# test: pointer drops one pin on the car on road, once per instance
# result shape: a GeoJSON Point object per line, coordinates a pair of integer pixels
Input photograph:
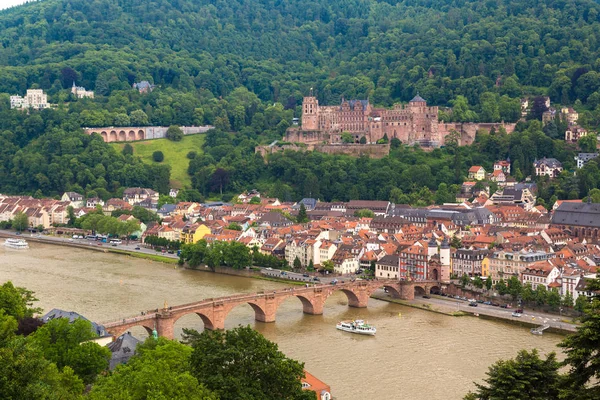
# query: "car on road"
{"type": "Point", "coordinates": [519, 310]}
{"type": "Point", "coordinates": [463, 298]}
{"type": "Point", "coordinates": [517, 314]}
{"type": "Point", "coordinates": [472, 304]}
{"type": "Point", "coordinates": [137, 247]}
{"type": "Point", "coordinates": [487, 303]}
{"type": "Point", "coordinates": [495, 304]}
{"type": "Point", "coordinates": [359, 271]}
{"type": "Point", "coordinates": [316, 279]}
{"type": "Point", "coordinates": [480, 301]}
{"type": "Point", "coordinates": [457, 297]}
{"type": "Point", "coordinates": [18, 233]}
{"type": "Point", "coordinates": [426, 297]}
{"type": "Point", "coordinates": [306, 275]}
{"type": "Point", "coordinates": [269, 269]}
{"type": "Point", "coordinates": [283, 273]}
{"type": "Point", "coordinates": [113, 244]}
{"type": "Point", "coordinates": [99, 244]}
{"type": "Point", "coordinates": [333, 282]}
{"type": "Point", "coordinates": [171, 252]}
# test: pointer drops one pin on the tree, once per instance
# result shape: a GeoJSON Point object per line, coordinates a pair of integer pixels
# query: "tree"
{"type": "Point", "coordinates": [541, 295]}
{"type": "Point", "coordinates": [464, 280]}
{"type": "Point", "coordinates": [347, 138]}
{"type": "Point", "coordinates": [191, 155]}
{"type": "Point", "coordinates": [538, 107]}
{"type": "Point", "coordinates": [363, 140]}
{"type": "Point", "coordinates": [127, 150]}
{"type": "Point", "coordinates": [581, 303]}
{"type": "Point", "coordinates": [488, 283]}
{"type": "Point", "coordinates": [514, 287]}
{"type": "Point", "coordinates": [364, 213]}
{"type": "Point", "coordinates": [311, 266]}
{"type": "Point", "coordinates": [235, 227]}
{"type": "Point", "coordinates": [159, 370]}
{"type": "Point", "coordinates": [67, 344]}
{"type": "Point", "coordinates": [455, 242]}
{"type": "Point", "coordinates": [72, 218]}
{"type": "Point", "coordinates": [26, 374]}
{"type": "Point", "coordinates": [297, 264]}
{"type": "Point", "coordinates": [588, 143]}
{"type": "Point", "coordinates": [138, 118]}
{"type": "Point", "coordinates": [17, 301]}
{"type": "Point", "coordinates": [328, 266]}
{"type": "Point", "coordinates": [158, 156]}
{"type": "Point", "coordinates": [501, 287]}
{"type": "Point", "coordinates": [582, 350]}
{"type": "Point", "coordinates": [527, 377]}
{"type": "Point", "coordinates": [302, 216]}
{"type": "Point", "coordinates": [527, 294]}
{"type": "Point", "coordinates": [255, 200]}
{"type": "Point", "coordinates": [20, 221]}
{"type": "Point", "coordinates": [478, 282]}
{"type": "Point", "coordinates": [174, 133]}
{"type": "Point", "coordinates": [567, 300]}
{"type": "Point", "coordinates": [241, 364]}
{"type": "Point", "coordinates": [553, 298]}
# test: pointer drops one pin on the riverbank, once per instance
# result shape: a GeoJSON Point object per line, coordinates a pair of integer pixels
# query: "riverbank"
{"type": "Point", "coordinates": [457, 308]}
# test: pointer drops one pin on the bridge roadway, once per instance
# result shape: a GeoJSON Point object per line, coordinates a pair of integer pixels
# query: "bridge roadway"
{"type": "Point", "coordinates": [214, 311]}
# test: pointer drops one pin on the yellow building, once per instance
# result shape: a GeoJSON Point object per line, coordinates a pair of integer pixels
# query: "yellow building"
{"type": "Point", "coordinates": [485, 267]}
{"type": "Point", "coordinates": [194, 233]}
{"type": "Point", "coordinates": [477, 172]}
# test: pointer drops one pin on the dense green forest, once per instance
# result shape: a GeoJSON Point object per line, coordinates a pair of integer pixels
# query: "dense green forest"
{"type": "Point", "coordinates": [243, 66]}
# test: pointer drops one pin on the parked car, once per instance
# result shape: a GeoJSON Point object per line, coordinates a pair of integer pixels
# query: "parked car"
{"type": "Point", "coordinates": [472, 304]}
{"type": "Point", "coordinates": [480, 301]}
{"type": "Point", "coordinates": [137, 248]}
{"type": "Point", "coordinates": [516, 314]}
{"type": "Point", "coordinates": [333, 282]}
{"type": "Point", "coordinates": [487, 303]}
{"type": "Point", "coordinates": [269, 269]}
{"type": "Point", "coordinates": [359, 271]}
{"type": "Point", "coordinates": [496, 304]}
{"type": "Point", "coordinates": [519, 310]}
{"type": "Point", "coordinates": [457, 297]}
{"type": "Point", "coordinates": [316, 279]}
{"type": "Point", "coordinates": [463, 298]}
{"type": "Point", "coordinates": [306, 275]}
{"type": "Point", "coordinates": [171, 252]}
{"type": "Point", "coordinates": [426, 297]}
{"type": "Point", "coordinates": [284, 273]}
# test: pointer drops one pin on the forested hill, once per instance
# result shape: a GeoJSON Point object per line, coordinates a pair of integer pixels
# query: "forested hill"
{"type": "Point", "coordinates": [278, 49]}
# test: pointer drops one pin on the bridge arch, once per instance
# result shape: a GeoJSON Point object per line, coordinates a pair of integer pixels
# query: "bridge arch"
{"type": "Point", "coordinates": [309, 306]}
{"type": "Point", "coordinates": [260, 313]}
{"type": "Point", "coordinates": [116, 332]}
{"type": "Point", "coordinates": [206, 320]}
{"type": "Point", "coordinates": [420, 290]}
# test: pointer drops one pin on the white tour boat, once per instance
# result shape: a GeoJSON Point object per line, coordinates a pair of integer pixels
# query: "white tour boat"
{"type": "Point", "coordinates": [16, 244]}
{"type": "Point", "coordinates": [357, 326]}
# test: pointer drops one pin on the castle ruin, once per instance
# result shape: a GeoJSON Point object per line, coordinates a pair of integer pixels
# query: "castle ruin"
{"type": "Point", "coordinates": [412, 123]}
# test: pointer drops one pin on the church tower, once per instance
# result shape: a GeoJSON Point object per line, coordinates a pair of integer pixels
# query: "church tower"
{"type": "Point", "coordinates": [310, 113]}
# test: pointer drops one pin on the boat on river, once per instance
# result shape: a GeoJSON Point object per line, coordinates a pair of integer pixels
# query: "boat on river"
{"type": "Point", "coordinates": [16, 244]}
{"type": "Point", "coordinates": [358, 326]}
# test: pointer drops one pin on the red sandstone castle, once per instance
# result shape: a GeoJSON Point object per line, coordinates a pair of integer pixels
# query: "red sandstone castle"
{"type": "Point", "coordinates": [412, 123]}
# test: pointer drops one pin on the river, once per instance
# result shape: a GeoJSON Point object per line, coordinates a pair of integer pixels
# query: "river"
{"type": "Point", "coordinates": [416, 354]}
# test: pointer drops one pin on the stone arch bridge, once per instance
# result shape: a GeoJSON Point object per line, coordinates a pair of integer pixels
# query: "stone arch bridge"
{"type": "Point", "coordinates": [265, 304]}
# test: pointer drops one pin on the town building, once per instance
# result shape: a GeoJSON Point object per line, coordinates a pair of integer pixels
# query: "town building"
{"type": "Point", "coordinates": [504, 264]}
{"type": "Point", "coordinates": [35, 98]}
{"type": "Point", "coordinates": [310, 382]}
{"type": "Point", "coordinates": [547, 166]}
{"type": "Point", "coordinates": [144, 86]}
{"type": "Point", "coordinates": [569, 114]}
{"type": "Point", "coordinates": [345, 262]}
{"type": "Point", "coordinates": [543, 273]}
{"type": "Point", "coordinates": [503, 165]}
{"type": "Point", "coordinates": [582, 220]}
{"type": "Point", "coordinates": [80, 92]}
{"type": "Point", "coordinates": [137, 195]}
{"type": "Point", "coordinates": [74, 198]}
{"type": "Point", "coordinates": [583, 158]}
{"type": "Point", "coordinates": [574, 132]}
{"type": "Point", "coordinates": [477, 172]}
{"type": "Point", "coordinates": [468, 261]}
{"type": "Point", "coordinates": [388, 267]}
{"type": "Point", "coordinates": [516, 195]}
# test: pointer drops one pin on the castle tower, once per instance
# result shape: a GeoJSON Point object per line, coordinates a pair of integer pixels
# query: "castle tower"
{"type": "Point", "coordinates": [431, 248]}
{"type": "Point", "coordinates": [445, 260]}
{"type": "Point", "coordinates": [310, 113]}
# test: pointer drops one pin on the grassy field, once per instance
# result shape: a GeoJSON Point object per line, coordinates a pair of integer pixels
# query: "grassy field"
{"type": "Point", "coordinates": [175, 155]}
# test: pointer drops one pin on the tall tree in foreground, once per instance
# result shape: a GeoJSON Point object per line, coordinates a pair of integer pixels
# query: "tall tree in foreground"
{"type": "Point", "coordinates": [583, 351]}
{"type": "Point", "coordinates": [527, 377]}
{"type": "Point", "coordinates": [302, 216]}
{"type": "Point", "coordinates": [159, 370]}
{"type": "Point", "coordinates": [242, 364]}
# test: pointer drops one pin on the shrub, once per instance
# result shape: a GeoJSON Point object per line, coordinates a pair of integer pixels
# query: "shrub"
{"type": "Point", "coordinates": [158, 156]}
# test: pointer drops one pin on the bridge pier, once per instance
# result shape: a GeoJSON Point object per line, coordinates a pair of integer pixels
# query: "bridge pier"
{"type": "Point", "coordinates": [164, 325]}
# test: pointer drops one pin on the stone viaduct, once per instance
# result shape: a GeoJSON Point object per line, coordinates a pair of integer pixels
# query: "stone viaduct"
{"type": "Point", "coordinates": [214, 311]}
